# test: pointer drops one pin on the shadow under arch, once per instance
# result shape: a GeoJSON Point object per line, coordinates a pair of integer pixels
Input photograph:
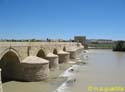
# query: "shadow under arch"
{"type": "Point", "coordinates": [9, 64]}
{"type": "Point", "coordinates": [55, 51]}
{"type": "Point", "coordinates": [10, 49]}
{"type": "Point", "coordinates": [41, 54]}
{"type": "Point", "coordinates": [64, 48]}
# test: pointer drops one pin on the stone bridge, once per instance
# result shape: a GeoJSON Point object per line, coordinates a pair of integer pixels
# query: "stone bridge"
{"type": "Point", "coordinates": [24, 49]}
{"type": "Point", "coordinates": [30, 61]}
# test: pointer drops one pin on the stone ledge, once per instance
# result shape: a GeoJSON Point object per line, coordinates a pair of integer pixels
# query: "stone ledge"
{"type": "Point", "coordinates": [51, 55]}
{"type": "Point", "coordinates": [63, 52]}
{"type": "Point", "coordinates": [34, 60]}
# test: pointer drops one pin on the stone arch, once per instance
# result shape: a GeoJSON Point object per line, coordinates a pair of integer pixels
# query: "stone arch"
{"type": "Point", "coordinates": [28, 50]}
{"type": "Point", "coordinates": [12, 50]}
{"type": "Point", "coordinates": [41, 54]}
{"type": "Point", "coordinates": [9, 64]}
{"type": "Point", "coordinates": [55, 51]}
{"type": "Point", "coordinates": [64, 48]}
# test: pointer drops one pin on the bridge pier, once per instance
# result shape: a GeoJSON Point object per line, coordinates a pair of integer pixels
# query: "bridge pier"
{"type": "Point", "coordinates": [79, 52]}
{"type": "Point", "coordinates": [72, 54]}
{"type": "Point", "coordinates": [34, 69]}
{"type": "Point", "coordinates": [53, 60]}
{"type": "Point", "coordinates": [63, 57]}
{"type": "Point", "coordinates": [76, 52]}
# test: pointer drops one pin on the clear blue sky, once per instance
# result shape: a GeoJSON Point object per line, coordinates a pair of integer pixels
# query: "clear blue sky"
{"type": "Point", "coordinates": [22, 19]}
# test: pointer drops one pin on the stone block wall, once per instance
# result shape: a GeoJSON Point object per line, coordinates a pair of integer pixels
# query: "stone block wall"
{"type": "Point", "coordinates": [63, 57]}
{"type": "Point", "coordinates": [35, 72]}
{"type": "Point", "coordinates": [1, 88]}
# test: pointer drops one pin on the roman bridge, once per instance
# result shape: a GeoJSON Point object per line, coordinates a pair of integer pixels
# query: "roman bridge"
{"type": "Point", "coordinates": [25, 49]}
{"type": "Point", "coordinates": [31, 61]}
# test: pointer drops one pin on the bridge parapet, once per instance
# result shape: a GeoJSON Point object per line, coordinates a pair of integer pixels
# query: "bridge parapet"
{"type": "Point", "coordinates": [12, 55]}
{"type": "Point", "coordinates": [24, 49]}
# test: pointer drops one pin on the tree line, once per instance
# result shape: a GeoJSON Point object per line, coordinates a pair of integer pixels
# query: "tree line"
{"type": "Point", "coordinates": [119, 46]}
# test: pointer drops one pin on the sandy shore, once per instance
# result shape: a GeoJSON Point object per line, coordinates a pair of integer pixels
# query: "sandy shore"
{"type": "Point", "coordinates": [48, 85]}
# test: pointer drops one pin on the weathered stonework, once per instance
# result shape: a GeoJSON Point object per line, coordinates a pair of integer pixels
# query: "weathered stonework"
{"type": "Point", "coordinates": [53, 60]}
{"type": "Point", "coordinates": [13, 57]}
{"type": "Point", "coordinates": [73, 54]}
{"type": "Point", "coordinates": [63, 57]}
{"type": "Point", "coordinates": [34, 69]}
{"type": "Point", "coordinates": [79, 51]}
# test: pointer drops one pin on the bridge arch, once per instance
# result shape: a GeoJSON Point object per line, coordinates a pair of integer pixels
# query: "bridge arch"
{"type": "Point", "coordinates": [64, 48]}
{"type": "Point", "coordinates": [41, 54]}
{"type": "Point", "coordinates": [55, 51]}
{"type": "Point", "coordinates": [12, 50]}
{"type": "Point", "coordinates": [9, 63]}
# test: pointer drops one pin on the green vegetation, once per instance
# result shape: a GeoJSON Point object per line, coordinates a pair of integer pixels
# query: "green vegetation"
{"type": "Point", "coordinates": [101, 45]}
{"type": "Point", "coordinates": [34, 40]}
{"type": "Point", "coordinates": [15, 40]}
{"type": "Point", "coordinates": [119, 46]}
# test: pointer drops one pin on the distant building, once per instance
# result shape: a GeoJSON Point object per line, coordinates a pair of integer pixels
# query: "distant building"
{"type": "Point", "coordinates": [81, 39]}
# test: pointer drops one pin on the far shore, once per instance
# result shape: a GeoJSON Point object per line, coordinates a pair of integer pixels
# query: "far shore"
{"type": "Point", "coordinates": [99, 48]}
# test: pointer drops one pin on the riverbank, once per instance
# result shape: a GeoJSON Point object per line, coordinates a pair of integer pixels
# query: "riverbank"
{"type": "Point", "coordinates": [48, 85]}
{"type": "Point", "coordinates": [99, 47]}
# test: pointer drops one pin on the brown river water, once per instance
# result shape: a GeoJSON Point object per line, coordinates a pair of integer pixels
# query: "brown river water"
{"type": "Point", "coordinates": [105, 69]}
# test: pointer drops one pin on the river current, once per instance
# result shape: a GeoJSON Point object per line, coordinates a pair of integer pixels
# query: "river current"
{"type": "Point", "coordinates": [105, 69]}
